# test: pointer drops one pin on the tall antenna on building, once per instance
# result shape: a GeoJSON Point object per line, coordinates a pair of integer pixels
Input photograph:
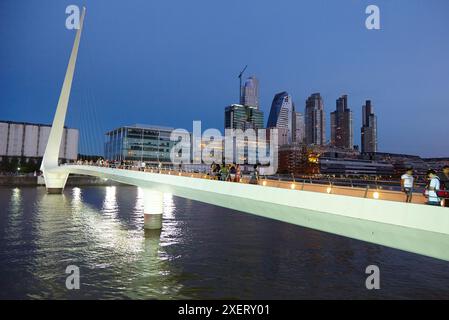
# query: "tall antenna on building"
{"type": "Point", "coordinates": [240, 87]}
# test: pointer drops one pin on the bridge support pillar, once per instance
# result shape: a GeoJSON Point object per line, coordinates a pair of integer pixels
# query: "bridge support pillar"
{"type": "Point", "coordinates": [55, 182]}
{"type": "Point", "coordinates": [153, 207]}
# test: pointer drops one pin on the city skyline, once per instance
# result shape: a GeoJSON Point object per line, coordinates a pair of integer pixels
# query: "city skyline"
{"type": "Point", "coordinates": [403, 80]}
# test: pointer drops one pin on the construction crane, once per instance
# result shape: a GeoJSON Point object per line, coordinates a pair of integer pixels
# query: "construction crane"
{"type": "Point", "coordinates": [240, 88]}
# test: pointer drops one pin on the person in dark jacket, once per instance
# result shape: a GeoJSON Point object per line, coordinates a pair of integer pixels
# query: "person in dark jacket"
{"type": "Point", "coordinates": [216, 171]}
{"type": "Point", "coordinates": [444, 185]}
{"type": "Point", "coordinates": [444, 178]}
{"type": "Point", "coordinates": [232, 172]}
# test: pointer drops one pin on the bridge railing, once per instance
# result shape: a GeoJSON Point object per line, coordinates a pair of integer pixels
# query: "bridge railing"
{"type": "Point", "coordinates": [373, 189]}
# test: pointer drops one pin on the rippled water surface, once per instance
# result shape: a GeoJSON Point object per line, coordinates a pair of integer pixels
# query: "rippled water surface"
{"type": "Point", "coordinates": [203, 252]}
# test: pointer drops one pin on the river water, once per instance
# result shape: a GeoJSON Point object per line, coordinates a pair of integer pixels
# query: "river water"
{"type": "Point", "coordinates": [202, 252]}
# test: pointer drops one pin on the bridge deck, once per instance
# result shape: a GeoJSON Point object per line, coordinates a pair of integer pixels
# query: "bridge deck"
{"type": "Point", "coordinates": [379, 193]}
{"type": "Point", "coordinates": [412, 227]}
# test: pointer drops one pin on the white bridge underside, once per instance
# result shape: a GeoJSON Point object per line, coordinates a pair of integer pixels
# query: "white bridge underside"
{"type": "Point", "coordinates": [411, 227]}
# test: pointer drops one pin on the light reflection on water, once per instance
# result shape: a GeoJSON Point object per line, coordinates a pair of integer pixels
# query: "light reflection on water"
{"type": "Point", "coordinates": [202, 251]}
{"type": "Point", "coordinates": [69, 230]}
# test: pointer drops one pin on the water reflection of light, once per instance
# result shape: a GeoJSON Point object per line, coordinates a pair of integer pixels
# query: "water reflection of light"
{"type": "Point", "coordinates": [76, 196]}
{"type": "Point", "coordinates": [139, 200]}
{"type": "Point", "coordinates": [137, 213]}
{"type": "Point", "coordinates": [16, 197]}
{"type": "Point", "coordinates": [16, 210]}
{"type": "Point", "coordinates": [171, 231]}
{"type": "Point", "coordinates": [110, 201]}
{"type": "Point", "coordinates": [85, 235]}
{"type": "Point", "coordinates": [169, 206]}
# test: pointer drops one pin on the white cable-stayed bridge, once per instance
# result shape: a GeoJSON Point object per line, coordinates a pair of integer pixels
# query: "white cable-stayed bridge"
{"type": "Point", "coordinates": [406, 226]}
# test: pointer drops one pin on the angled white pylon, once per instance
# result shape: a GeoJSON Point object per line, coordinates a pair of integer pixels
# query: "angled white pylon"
{"type": "Point", "coordinates": [51, 154]}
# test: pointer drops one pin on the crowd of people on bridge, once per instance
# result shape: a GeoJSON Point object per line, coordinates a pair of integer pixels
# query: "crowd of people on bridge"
{"type": "Point", "coordinates": [232, 172]}
{"type": "Point", "coordinates": [436, 190]}
{"type": "Point", "coordinates": [225, 172]}
{"type": "Point", "coordinates": [100, 162]}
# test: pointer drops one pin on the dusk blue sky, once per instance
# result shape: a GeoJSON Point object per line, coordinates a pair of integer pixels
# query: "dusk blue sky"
{"type": "Point", "coordinates": [170, 62]}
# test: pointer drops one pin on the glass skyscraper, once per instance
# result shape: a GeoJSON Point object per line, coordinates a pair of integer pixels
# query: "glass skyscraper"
{"type": "Point", "coordinates": [250, 93]}
{"type": "Point", "coordinates": [238, 116]}
{"type": "Point", "coordinates": [298, 127]}
{"type": "Point", "coordinates": [315, 120]}
{"type": "Point", "coordinates": [369, 128]}
{"type": "Point", "coordinates": [341, 125]}
{"type": "Point", "coordinates": [281, 117]}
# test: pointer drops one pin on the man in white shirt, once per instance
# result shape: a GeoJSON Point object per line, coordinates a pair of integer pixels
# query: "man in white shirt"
{"type": "Point", "coordinates": [407, 184]}
{"type": "Point", "coordinates": [434, 186]}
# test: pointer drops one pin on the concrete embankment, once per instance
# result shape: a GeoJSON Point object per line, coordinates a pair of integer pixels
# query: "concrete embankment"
{"type": "Point", "coordinates": [73, 180]}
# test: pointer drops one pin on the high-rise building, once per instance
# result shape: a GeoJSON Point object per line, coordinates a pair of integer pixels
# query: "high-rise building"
{"type": "Point", "coordinates": [281, 117]}
{"type": "Point", "coordinates": [369, 128]}
{"type": "Point", "coordinates": [250, 93]}
{"type": "Point", "coordinates": [315, 120]}
{"type": "Point", "coordinates": [238, 116]}
{"type": "Point", "coordinates": [341, 125]}
{"type": "Point", "coordinates": [242, 117]}
{"type": "Point", "coordinates": [29, 140]}
{"type": "Point", "coordinates": [299, 130]}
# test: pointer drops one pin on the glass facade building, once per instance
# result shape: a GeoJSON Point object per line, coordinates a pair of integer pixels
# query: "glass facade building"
{"type": "Point", "coordinates": [242, 117]}
{"type": "Point", "coordinates": [250, 93]}
{"type": "Point", "coordinates": [341, 125]}
{"type": "Point", "coordinates": [139, 143]}
{"type": "Point", "coordinates": [281, 117]}
{"type": "Point", "coordinates": [369, 128]}
{"type": "Point", "coordinates": [238, 116]}
{"type": "Point", "coordinates": [315, 120]}
{"type": "Point", "coordinates": [299, 130]}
